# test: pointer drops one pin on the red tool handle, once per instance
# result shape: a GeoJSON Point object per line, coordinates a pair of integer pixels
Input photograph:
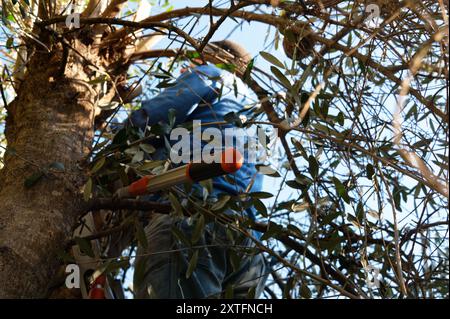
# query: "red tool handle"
{"type": "Point", "coordinates": [97, 290]}
{"type": "Point", "coordinates": [231, 161]}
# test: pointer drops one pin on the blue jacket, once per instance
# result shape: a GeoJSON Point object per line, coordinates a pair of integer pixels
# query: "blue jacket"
{"type": "Point", "coordinates": [203, 93]}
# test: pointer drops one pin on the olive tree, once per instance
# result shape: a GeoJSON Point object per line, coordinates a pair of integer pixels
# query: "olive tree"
{"type": "Point", "coordinates": [359, 99]}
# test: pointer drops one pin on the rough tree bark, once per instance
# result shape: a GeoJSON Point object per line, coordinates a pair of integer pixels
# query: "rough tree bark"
{"type": "Point", "coordinates": [51, 120]}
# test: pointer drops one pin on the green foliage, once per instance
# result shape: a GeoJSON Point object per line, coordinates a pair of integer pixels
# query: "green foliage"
{"type": "Point", "coordinates": [332, 193]}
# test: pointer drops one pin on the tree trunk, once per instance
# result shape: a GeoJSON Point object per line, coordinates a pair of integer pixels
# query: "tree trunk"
{"type": "Point", "coordinates": [51, 120]}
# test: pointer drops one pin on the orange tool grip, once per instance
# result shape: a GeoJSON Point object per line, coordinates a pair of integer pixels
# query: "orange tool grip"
{"type": "Point", "coordinates": [139, 187]}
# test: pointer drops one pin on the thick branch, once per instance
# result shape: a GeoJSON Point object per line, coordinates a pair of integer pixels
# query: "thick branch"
{"type": "Point", "coordinates": [127, 23]}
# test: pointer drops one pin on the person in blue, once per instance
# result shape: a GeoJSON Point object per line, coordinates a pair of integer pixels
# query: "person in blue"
{"type": "Point", "coordinates": [205, 93]}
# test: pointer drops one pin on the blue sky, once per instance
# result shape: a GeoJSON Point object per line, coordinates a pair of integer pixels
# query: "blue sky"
{"type": "Point", "coordinates": [254, 39]}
